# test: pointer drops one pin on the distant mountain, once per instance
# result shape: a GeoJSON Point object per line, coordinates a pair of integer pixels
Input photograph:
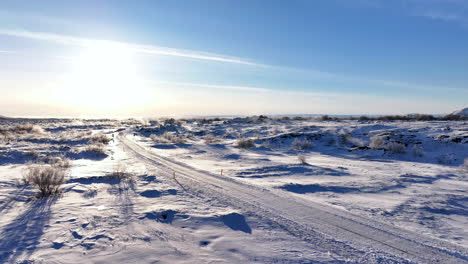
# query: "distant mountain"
{"type": "Point", "coordinates": [462, 112]}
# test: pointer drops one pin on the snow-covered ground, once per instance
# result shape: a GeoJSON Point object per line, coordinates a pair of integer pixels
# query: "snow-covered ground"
{"type": "Point", "coordinates": [405, 174]}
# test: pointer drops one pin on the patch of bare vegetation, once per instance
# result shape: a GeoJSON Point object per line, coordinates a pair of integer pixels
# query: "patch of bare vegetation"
{"type": "Point", "coordinates": [168, 137]}
{"type": "Point", "coordinates": [302, 144]}
{"type": "Point", "coordinates": [376, 142]}
{"type": "Point", "coordinates": [302, 159]}
{"type": "Point", "coordinates": [417, 150]}
{"type": "Point", "coordinates": [395, 148]}
{"type": "Point", "coordinates": [97, 148]}
{"type": "Point", "coordinates": [29, 130]}
{"type": "Point", "coordinates": [445, 159]}
{"type": "Point", "coordinates": [46, 178]}
{"type": "Point", "coordinates": [267, 144]}
{"type": "Point", "coordinates": [99, 138]}
{"type": "Point", "coordinates": [120, 172]}
{"type": "Point", "coordinates": [210, 139]}
{"type": "Point", "coordinates": [245, 143]}
{"type": "Point", "coordinates": [57, 161]}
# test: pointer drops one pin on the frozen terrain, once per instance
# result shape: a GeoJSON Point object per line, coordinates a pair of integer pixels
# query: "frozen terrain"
{"type": "Point", "coordinates": [237, 191]}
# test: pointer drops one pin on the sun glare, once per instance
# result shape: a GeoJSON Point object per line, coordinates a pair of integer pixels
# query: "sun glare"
{"type": "Point", "coordinates": [104, 76]}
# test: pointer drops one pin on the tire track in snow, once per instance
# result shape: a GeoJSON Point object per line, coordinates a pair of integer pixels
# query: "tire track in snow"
{"type": "Point", "coordinates": [326, 228]}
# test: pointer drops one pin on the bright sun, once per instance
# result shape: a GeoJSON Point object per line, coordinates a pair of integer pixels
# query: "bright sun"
{"type": "Point", "coordinates": [104, 77]}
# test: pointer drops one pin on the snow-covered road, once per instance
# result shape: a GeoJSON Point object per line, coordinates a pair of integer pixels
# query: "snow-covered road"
{"type": "Point", "coordinates": [325, 228]}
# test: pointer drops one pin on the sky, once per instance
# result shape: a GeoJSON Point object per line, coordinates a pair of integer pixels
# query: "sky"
{"type": "Point", "coordinates": [224, 57]}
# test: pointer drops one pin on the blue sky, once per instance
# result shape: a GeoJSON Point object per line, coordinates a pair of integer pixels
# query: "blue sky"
{"type": "Point", "coordinates": [71, 58]}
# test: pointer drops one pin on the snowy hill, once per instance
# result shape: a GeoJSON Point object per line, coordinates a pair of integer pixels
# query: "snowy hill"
{"type": "Point", "coordinates": [462, 112]}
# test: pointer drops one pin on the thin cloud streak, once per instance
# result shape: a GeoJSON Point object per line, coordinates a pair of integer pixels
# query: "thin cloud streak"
{"type": "Point", "coordinates": [146, 49]}
{"type": "Point", "coordinates": [250, 89]}
{"type": "Point", "coordinates": [443, 10]}
{"type": "Point", "coordinates": [215, 86]}
{"type": "Point", "coordinates": [155, 50]}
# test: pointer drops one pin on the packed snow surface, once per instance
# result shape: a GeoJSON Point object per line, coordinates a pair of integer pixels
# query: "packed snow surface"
{"type": "Point", "coordinates": [237, 190]}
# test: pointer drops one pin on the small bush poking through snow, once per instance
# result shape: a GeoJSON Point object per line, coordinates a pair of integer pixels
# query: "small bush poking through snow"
{"type": "Point", "coordinates": [418, 150]}
{"type": "Point", "coordinates": [210, 139]}
{"type": "Point", "coordinates": [267, 144]}
{"type": "Point", "coordinates": [302, 159]}
{"type": "Point", "coordinates": [60, 162]}
{"type": "Point", "coordinates": [376, 142]}
{"type": "Point", "coordinates": [245, 143]}
{"type": "Point", "coordinates": [46, 178]}
{"type": "Point", "coordinates": [27, 128]}
{"type": "Point", "coordinates": [302, 144]}
{"type": "Point", "coordinates": [97, 148]}
{"type": "Point", "coordinates": [168, 137]}
{"type": "Point", "coordinates": [100, 138]}
{"type": "Point", "coordinates": [446, 159]}
{"type": "Point", "coordinates": [120, 172]}
{"type": "Point", "coordinates": [32, 154]}
{"type": "Point", "coordinates": [465, 164]}
{"type": "Point", "coordinates": [37, 130]}
{"type": "Point", "coordinates": [395, 148]}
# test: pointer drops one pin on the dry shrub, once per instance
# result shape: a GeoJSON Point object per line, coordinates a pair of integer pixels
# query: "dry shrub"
{"type": "Point", "coordinates": [168, 137]}
{"type": "Point", "coordinates": [99, 138]}
{"type": "Point", "coordinates": [302, 159]}
{"type": "Point", "coordinates": [210, 139]}
{"type": "Point", "coordinates": [376, 142]}
{"type": "Point", "coordinates": [6, 134]}
{"type": "Point", "coordinates": [302, 144]}
{"type": "Point", "coordinates": [267, 144]}
{"type": "Point", "coordinates": [46, 178]}
{"type": "Point", "coordinates": [245, 143]}
{"type": "Point", "coordinates": [57, 161]}
{"type": "Point", "coordinates": [33, 154]}
{"type": "Point", "coordinates": [37, 130]}
{"type": "Point", "coordinates": [27, 128]}
{"type": "Point", "coordinates": [97, 148]}
{"type": "Point", "coordinates": [395, 147]}
{"type": "Point", "coordinates": [417, 150]}
{"type": "Point", "coordinates": [120, 172]}
{"type": "Point", "coordinates": [445, 159]}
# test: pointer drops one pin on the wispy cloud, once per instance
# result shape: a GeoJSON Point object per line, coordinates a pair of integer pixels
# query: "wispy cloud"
{"type": "Point", "coordinates": [145, 49]}
{"type": "Point", "coordinates": [444, 10]}
{"type": "Point", "coordinates": [156, 50]}
{"type": "Point", "coordinates": [214, 86]}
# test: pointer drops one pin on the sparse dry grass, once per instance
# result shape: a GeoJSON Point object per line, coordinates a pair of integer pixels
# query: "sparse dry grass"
{"type": "Point", "coordinates": [120, 172]}
{"type": "Point", "coordinates": [99, 138]}
{"type": "Point", "coordinates": [302, 159]}
{"type": "Point", "coordinates": [57, 161]}
{"type": "Point", "coordinates": [97, 148]}
{"type": "Point", "coordinates": [446, 159]}
{"type": "Point", "coordinates": [301, 144]}
{"type": "Point", "coordinates": [395, 148]}
{"type": "Point", "coordinates": [376, 142]}
{"type": "Point", "coordinates": [28, 130]}
{"type": "Point", "coordinates": [210, 139]}
{"type": "Point", "coordinates": [46, 178]}
{"type": "Point", "coordinates": [168, 137]}
{"type": "Point", "coordinates": [245, 143]}
{"type": "Point", "coordinates": [417, 150]}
